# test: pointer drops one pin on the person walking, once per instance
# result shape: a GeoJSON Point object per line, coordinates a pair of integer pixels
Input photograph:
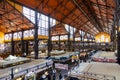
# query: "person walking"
{"type": "Point", "coordinates": [54, 76]}
{"type": "Point", "coordinates": [49, 77]}
{"type": "Point", "coordinates": [60, 76]}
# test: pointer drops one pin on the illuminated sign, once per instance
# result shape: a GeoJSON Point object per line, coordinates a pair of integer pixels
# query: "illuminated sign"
{"type": "Point", "coordinates": [61, 66]}
{"type": "Point", "coordinates": [55, 37]}
{"type": "Point", "coordinates": [31, 32]}
{"type": "Point", "coordinates": [19, 35]}
{"type": "Point", "coordinates": [77, 39]}
{"type": "Point", "coordinates": [26, 34]}
{"type": "Point", "coordinates": [63, 37]}
{"type": "Point", "coordinates": [15, 35]}
{"type": "Point", "coordinates": [8, 37]}
{"type": "Point", "coordinates": [20, 73]}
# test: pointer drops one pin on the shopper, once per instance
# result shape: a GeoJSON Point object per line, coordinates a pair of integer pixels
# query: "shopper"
{"type": "Point", "coordinates": [49, 77]}
{"type": "Point", "coordinates": [60, 76]}
{"type": "Point", "coordinates": [43, 77]}
{"type": "Point", "coordinates": [54, 76]}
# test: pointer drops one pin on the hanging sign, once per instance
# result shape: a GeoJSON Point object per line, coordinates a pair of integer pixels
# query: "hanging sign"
{"type": "Point", "coordinates": [19, 35]}
{"type": "Point", "coordinates": [63, 37]}
{"type": "Point", "coordinates": [31, 32]}
{"type": "Point", "coordinates": [26, 34]}
{"type": "Point", "coordinates": [77, 39]}
{"type": "Point", "coordinates": [55, 38]}
{"type": "Point", "coordinates": [8, 37]}
{"type": "Point", "coordinates": [20, 73]}
{"type": "Point", "coordinates": [15, 35]}
{"type": "Point", "coordinates": [6, 78]}
{"type": "Point", "coordinates": [61, 66]}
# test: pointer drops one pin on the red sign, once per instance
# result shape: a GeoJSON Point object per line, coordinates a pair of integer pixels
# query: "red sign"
{"type": "Point", "coordinates": [61, 66]}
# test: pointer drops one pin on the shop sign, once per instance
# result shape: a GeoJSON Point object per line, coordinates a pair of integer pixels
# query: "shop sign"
{"type": "Point", "coordinates": [64, 37]}
{"type": "Point", "coordinates": [6, 78]}
{"type": "Point", "coordinates": [26, 34]}
{"type": "Point", "coordinates": [32, 69]}
{"type": "Point", "coordinates": [20, 73]}
{"type": "Point", "coordinates": [8, 36]}
{"type": "Point", "coordinates": [15, 35]}
{"type": "Point", "coordinates": [42, 65]}
{"type": "Point", "coordinates": [61, 66]}
{"type": "Point", "coordinates": [30, 74]}
{"type": "Point", "coordinates": [55, 37]}
{"type": "Point", "coordinates": [50, 63]}
{"type": "Point", "coordinates": [31, 32]}
{"type": "Point", "coordinates": [19, 35]}
{"type": "Point", "coordinates": [77, 39]}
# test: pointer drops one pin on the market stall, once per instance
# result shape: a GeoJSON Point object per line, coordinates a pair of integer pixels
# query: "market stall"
{"type": "Point", "coordinates": [26, 70]}
{"type": "Point", "coordinates": [104, 56]}
{"type": "Point", "coordinates": [12, 61]}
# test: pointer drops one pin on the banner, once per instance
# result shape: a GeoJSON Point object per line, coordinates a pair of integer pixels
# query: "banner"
{"type": "Point", "coordinates": [61, 66]}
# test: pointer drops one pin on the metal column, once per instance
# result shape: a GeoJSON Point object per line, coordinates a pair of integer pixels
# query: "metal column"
{"type": "Point", "coordinates": [26, 47]}
{"type": "Point", "coordinates": [73, 36]}
{"type": "Point", "coordinates": [59, 43]}
{"type": "Point", "coordinates": [12, 45]}
{"type": "Point", "coordinates": [118, 32]}
{"type": "Point", "coordinates": [69, 39]}
{"type": "Point", "coordinates": [81, 41]}
{"type": "Point", "coordinates": [73, 41]}
{"type": "Point", "coordinates": [36, 36]}
{"type": "Point", "coordinates": [22, 44]}
{"type": "Point", "coordinates": [118, 47]}
{"type": "Point", "coordinates": [49, 38]}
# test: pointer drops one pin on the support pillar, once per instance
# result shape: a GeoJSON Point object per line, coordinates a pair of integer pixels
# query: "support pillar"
{"type": "Point", "coordinates": [69, 40]}
{"type": "Point", "coordinates": [73, 41]}
{"type": "Point", "coordinates": [118, 48]}
{"type": "Point", "coordinates": [88, 47]}
{"type": "Point", "coordinates": [80, 44]}
{"type": "Point", "coordinates": [73, 36]}
{"type": "Point", "coordinates": [49, 37]}
{"type": "Point", "coordinates": [12, 45]}
{"type": "Point", "coordinates": [83, 46]}
{"type": "Point", "coordinates": [22, 44]}
{"type": "Point", "coordinates": [81, 40]}
{"type": "Point", "coordinates": [59, 43]}
{"type": "Point", "coordinates": [26, 47]}
{"type": "Point", "coordinates": [36, 36]}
